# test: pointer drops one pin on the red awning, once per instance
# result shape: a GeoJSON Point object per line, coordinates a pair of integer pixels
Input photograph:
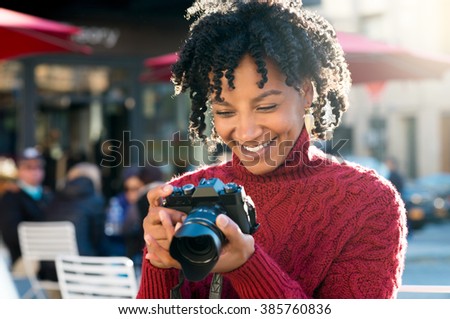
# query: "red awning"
{"type": "Point", "coordinates": [22, 34]}
{"type": "Point", "coordinates": [375, 61]}
{"type": "Point", "coordinates": [158, 68]}
{"type": "Point", "coordinates": [369, 61]}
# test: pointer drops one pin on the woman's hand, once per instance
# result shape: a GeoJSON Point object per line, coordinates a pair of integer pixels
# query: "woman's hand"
{"type": "Point", "coordinates": [239, 248]}
{"type": "Point", "coordinates": [161, 223]}
{"type": "Point", "coordinates": [159, 226]}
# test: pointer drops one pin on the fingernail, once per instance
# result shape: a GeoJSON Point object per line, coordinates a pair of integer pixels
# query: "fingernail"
{"type": "Point", "coordinates": [222, 221]}
{"type": "Point", "coordinates": [167, 188]}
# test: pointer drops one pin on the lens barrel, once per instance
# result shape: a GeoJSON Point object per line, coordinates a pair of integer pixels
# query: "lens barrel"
{"type": "Point", "coordinates": [198, 242]}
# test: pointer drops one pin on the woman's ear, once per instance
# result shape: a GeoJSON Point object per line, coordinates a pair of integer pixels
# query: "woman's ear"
{"type": "Point", "coordinates": [308, 92]}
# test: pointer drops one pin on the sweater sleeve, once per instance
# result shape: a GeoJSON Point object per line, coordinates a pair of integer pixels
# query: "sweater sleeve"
{"type": "Point", "coordinates": [261, 278]}
{"type": "Point", "coordinates": [371, 262]}
{"type": "Point", "coordinates": [156, 283]}
{"type": "Point", "coordinates": [366, 262]}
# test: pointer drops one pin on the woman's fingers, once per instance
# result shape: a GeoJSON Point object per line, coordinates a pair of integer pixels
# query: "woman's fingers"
{"type": "Point", "coordinates": [238, 249]}
{"type": "Point", "coordinates": [158, 255]}
{"type": "Point", "coordinates": [168, 224]}
{"type": "Point", "coordinates": [155, 195]}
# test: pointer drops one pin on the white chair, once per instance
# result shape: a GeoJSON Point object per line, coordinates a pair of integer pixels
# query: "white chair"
{"type": "Point", "coordinates": [96, 277]}
{"type": "Point", "coordinates": [43, 241]}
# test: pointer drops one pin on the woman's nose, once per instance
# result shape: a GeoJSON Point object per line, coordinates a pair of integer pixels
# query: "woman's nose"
{"type": "Point", "coordinates": [247, 129]}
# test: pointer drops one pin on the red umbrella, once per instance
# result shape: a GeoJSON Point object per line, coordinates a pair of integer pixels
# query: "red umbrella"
{"type": "Point", "coordinates": [22, 34]}
{"type": "Point", "coordinates": [369, 61]}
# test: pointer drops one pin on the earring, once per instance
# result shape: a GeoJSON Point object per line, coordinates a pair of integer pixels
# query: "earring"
{"type": "Point", "coordinates": [329, 134]}
{"type": "Point", "coordinates": [309, 121]}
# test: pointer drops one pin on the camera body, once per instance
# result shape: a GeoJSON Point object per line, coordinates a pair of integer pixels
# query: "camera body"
{"type": "Point", "coordinates": [198, 242]}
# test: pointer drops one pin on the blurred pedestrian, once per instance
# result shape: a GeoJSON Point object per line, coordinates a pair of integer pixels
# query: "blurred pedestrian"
{"type": "Point", "coordinates": [133, 231]}
{"type": "Point", "coordinates": [80, 201]}
{"type": "Point", "coordinates": [121, 227]}
{"type": "Point", "coordinates": [25, 203]}
{"type": "Point", "coordinates": [394, 174]}
{"type": "Point", "coordinates": [8, 175]}
{"type": "Point", "coordinates": [397, 179]}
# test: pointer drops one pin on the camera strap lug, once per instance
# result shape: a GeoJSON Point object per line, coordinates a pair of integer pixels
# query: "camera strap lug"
{"type": "Point", "coordinates": [215, 290]}
{"type": "Point", "coordinates": [175, 291]}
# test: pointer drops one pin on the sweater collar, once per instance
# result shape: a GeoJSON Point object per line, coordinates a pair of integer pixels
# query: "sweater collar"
{"type": "Point", "coordinates": [299, 163]}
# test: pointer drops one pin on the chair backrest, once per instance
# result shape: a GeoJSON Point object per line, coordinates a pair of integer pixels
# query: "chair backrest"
{"type": "Point", "coordinates": [96, 277]}
{"type": "Point", "coordinates": [43, 241]}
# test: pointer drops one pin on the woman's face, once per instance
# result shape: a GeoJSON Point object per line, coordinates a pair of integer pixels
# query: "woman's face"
{"type": "Point", "coordinates": [260, 125]}
{"type": "Point", "coordinates": [132, 185]}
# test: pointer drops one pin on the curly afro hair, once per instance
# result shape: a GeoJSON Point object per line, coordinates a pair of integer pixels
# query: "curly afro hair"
{"type": "Point", "coordinates": [301, 43]}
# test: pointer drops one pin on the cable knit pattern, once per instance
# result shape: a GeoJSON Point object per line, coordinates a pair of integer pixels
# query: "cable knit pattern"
{"type": "Point", "coordinates": [328, 230]}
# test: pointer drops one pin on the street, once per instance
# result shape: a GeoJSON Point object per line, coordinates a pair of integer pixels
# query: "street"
{"type": "Point", "coordinates": [428, 260]}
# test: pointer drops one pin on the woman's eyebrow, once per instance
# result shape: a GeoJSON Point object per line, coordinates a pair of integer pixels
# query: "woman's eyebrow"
{"type": "Point", "coordinates": [254, 100]}
{"type": "Point", "coordinates": [266, 94]}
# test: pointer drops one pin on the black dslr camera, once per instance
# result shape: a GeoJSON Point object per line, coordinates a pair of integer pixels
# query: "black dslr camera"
{"type": "Point", "coordinates": [197, 244]}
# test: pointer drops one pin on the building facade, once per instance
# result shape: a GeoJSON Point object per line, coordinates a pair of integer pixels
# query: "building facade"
{"type": "Point", "coordinates": [407, 119]}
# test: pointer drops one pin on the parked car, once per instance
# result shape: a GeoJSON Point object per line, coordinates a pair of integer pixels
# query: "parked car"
{"type": "Point", "coordinates": [439, 185]}
{"type": "Point", "coordinates": [428, 196]}
{"type": "Point", "coordinates": [419, 205]}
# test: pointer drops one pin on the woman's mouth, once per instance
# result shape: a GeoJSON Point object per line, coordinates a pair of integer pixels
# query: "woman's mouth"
{"type": "Point", "coordinates": [256, 150]}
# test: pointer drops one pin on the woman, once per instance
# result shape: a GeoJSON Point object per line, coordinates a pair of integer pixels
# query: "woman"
{"type": "Point", "coordinates": [273, 76]}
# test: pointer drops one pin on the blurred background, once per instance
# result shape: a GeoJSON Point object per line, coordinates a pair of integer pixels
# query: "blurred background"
{"type": "Point", "coordinates": [104, 90]}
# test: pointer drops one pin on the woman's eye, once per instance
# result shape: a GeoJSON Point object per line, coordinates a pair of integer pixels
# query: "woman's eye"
{"type": "Point", "coordinates": [267, 108]}
{"type": "Point", "coordinates": [224, 113]}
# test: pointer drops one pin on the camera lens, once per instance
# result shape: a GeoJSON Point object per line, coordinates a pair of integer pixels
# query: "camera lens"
{"type": "Point", "coordinates": [200, 249]}
{"type": "Point", "coordinates": [198, 242]}
{"type": "Point", "coordinates": [199, 245]}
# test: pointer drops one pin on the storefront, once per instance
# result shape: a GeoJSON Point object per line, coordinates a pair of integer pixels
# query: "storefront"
{"type": "Point", "coordinates": [83, 109]}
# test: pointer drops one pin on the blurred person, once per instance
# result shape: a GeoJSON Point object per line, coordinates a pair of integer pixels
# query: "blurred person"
{"type": "Point", "coordinates": [133, 231]}
{"type": "Point", "coordinates": [273, 77]}
{"type": "Point", "coordinates": [8, 175]}
{"type": "Point", "coordinates": [80, 201]}
{"type": "Point", "coordinates": [396, 178]}
{"type": "Point", "coordinates": [27, 202]}
{"type": "Point", "coordinates": [54, 156]}
{"type": "Point", "coordinates": [394, 174]}
{"type": "Point", "coordinates": [121, 226]}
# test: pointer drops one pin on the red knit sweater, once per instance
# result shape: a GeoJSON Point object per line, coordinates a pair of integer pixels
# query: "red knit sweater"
{"type": "Point", "coordinates": [327, 230]}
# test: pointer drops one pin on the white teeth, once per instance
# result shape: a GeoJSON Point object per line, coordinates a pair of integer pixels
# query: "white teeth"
{"type": "Point", "coordinates": [256, 148]}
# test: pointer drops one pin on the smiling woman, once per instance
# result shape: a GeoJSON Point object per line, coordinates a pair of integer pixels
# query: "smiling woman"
{"type": "Point", "coordinates": [272, 76]}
